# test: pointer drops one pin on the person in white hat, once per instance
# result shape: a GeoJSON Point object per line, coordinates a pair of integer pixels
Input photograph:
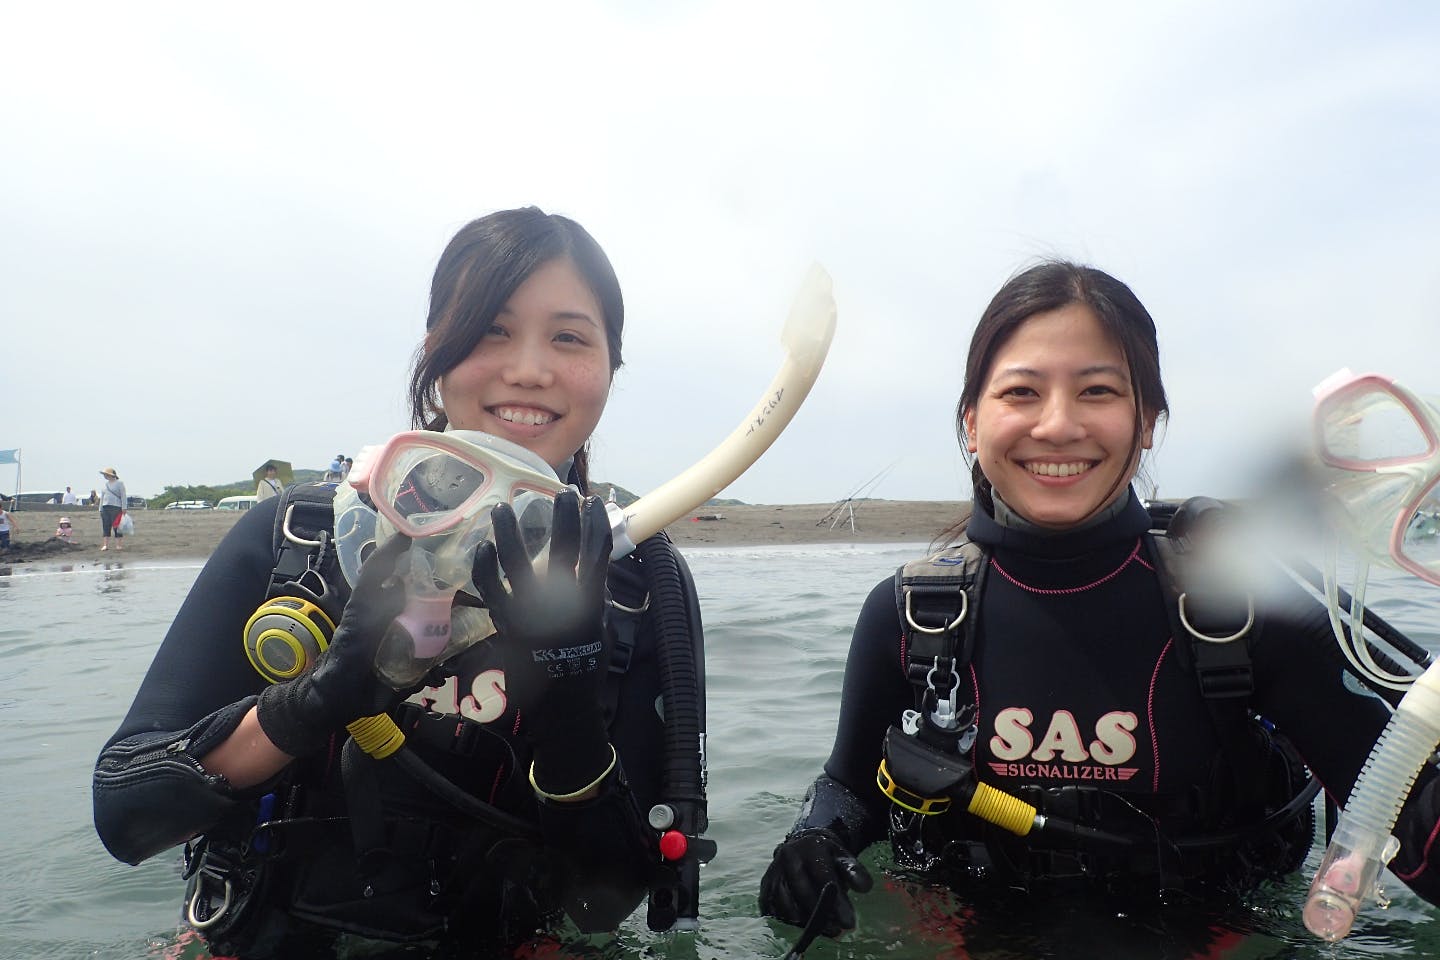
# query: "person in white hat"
{"type": "Point", "coordinates": [64, 530]}
{"type": "Point", "coordinates": [112, 508]}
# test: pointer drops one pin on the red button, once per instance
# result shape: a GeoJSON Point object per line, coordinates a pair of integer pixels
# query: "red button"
{"type": "Point", "coordinates": [673, 844]}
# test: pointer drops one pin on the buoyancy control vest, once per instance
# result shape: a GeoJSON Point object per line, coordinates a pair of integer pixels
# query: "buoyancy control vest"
{"type": "Point", "coordinates": [328, 844]}
{"type": "Point", "coordinates": [1253, 821]}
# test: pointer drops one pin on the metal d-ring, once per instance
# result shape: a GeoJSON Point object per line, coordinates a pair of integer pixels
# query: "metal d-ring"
{"type": "Point", "coordinates": [293, 538]}
{"type": "Point", "coordinates": [214, 918]}
{"type": "Point", "coordinates": [640, 609]}
{"type": "Point", "coordinates": [959, 617]}
{"type": "Point", "coordinates": [1249, 622]}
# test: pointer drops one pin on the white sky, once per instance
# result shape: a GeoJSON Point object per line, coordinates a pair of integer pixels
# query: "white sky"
{"type": "Point", "coordinates": [219, 222]}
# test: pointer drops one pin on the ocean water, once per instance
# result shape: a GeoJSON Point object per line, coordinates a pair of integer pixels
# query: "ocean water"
{"type": "Point", "coordinates": [75, 643]}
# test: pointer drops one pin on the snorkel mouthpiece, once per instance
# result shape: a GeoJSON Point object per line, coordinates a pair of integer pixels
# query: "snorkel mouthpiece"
{"type": "Point", "coordinates": [422, 630]}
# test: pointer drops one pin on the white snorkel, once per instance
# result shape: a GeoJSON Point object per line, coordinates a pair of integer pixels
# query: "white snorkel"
{"type": "Point", "coordinates": [476, 471]}
{"type": "Point", "coordinates": [806, 339]}
{"type": "Point", "coordinates": [1380, 446]}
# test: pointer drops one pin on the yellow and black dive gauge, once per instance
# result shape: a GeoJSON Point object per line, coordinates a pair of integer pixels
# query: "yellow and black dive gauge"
{"type": "Point", "coordinates": [285, 636]}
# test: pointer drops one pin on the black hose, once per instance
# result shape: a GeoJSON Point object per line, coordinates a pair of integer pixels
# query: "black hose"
{"type": "Point", "coordinates": [680, 679]}
{"type": "Point", "coordinates": [432, 779]}
{"type": "Point", "coordinates": [682, 686]}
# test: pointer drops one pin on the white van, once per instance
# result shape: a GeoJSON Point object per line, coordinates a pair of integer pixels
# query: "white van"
{"type": "Point", "coordinates": [235, 503]}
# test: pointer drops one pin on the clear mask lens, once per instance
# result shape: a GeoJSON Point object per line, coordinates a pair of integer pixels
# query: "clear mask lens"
{"type": "Point", "coordinates": [1369, 426]}
{"type": "Point", "coordinates": [430, 488]}
{"type": "Point", "coordinates": [1367, 506]}
{"type": "Point", "coordinates": [1419, 542]}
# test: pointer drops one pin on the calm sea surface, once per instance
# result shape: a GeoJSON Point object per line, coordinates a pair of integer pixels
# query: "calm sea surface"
{"type": "Point", "coordinates": [74, 645]}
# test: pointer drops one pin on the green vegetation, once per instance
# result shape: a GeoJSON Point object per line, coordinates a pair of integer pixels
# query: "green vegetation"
{"type": "Point", "coordinates": [241, 488]}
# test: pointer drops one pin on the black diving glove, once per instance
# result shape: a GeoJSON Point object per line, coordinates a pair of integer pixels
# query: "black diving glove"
{"type": "Point", "coordinates": [793, 885]}
{"type": "Point", "coordinates": [553, 638]}
{"type": "Point", "coordinates": [300, 715]}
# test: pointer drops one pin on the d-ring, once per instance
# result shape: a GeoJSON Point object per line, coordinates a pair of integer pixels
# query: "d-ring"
{"type": "Point", "coordinates": [959, 617]}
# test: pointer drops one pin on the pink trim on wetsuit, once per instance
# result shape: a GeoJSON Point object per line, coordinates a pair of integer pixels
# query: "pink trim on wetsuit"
{"type": "Point", "coordinates": [1424, 855]}
{"type": "Point", "coordinates": [1134, 554]}
{"type": "Point", "coordinates": [1150, 715]}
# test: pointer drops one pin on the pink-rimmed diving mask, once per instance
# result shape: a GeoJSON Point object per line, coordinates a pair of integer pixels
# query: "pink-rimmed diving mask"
{"type": "Point", "coordinates": [438, 489]}
{"type": "Point", "coordinates": [1381, 445]}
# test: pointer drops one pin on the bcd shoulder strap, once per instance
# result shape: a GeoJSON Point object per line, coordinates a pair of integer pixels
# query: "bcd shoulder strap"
{"type": "Point", "coordinates": [629, 599]}
{"type": "Point", "coordinates": [1212, 620]}
{"type": "Point", "coordinates": [304, 547]}
{"type": "Point", "coordinates": [937, 598]}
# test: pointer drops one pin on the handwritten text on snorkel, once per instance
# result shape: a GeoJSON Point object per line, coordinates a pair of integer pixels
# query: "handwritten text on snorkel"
{"type": "Point", "coordinates": [770, 407]}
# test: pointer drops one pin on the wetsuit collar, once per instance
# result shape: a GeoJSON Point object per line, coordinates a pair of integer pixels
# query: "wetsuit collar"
{"type": "Point", "coordinates": [1125, 520]}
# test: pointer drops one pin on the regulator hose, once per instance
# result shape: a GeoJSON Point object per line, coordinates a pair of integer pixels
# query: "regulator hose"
{"type": "Point", "coordinates": [683, 690]}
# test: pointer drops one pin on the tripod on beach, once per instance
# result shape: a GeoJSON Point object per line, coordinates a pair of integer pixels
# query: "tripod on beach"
{"type": "Point", "coordinates": [844, 510]}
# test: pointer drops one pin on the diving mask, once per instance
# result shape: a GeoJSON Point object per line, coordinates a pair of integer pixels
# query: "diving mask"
{"type": "Point", "coordinates": [1381, 445]}
{"type": "Point", "coordinates": [438, 489]}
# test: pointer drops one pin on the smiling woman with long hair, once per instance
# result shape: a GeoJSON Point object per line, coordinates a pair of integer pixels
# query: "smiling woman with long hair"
{"type": "Point", "coordinates": [1041, 664]}
{"type": "Point", "coordinates": [521, 763]}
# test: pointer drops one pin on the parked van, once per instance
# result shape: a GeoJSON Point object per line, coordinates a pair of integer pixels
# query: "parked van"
{"type": "Point", "coordinates": [235, 503]}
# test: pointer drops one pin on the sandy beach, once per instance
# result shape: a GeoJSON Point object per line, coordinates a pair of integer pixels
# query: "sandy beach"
{"type": "Point", "coordinates": [193, 534]}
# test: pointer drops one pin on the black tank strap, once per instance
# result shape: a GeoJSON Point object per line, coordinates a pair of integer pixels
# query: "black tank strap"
{"type": "Point", "coordinates": [938, 602]}
{"type": "Point", "coordinates": [629, 599]}
{"type": "Point", "coordinates": [303, 539]}
{"type": "Point", "coordinates": [1213, 625]}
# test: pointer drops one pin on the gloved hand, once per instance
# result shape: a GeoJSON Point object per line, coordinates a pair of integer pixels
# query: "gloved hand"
{"type": "Point", "coordinates": [553, 638]}
{"type": "Point", "coordinates": [804, 863]}
{"type": "Point", "coordinates": [300, 715]}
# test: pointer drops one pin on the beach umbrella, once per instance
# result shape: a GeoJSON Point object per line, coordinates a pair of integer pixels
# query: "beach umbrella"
{"type": "Point", "coordinates": [283, 471]}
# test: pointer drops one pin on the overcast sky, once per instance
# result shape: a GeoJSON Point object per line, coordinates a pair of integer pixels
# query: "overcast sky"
{"type": "Point", "coordinates": [219, 222]}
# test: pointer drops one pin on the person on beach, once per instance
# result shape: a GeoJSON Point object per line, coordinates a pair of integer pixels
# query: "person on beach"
{"type": "Point", "coordinates": [112, 508]}
{"type": "Point", "coordinates": [1040, 660]}
{"type": "Point", "coordinates": [269, 484]}
{"type": "Point", "coordinates": [7, 525]}
{"type": "Point", "coordinates": [69, 499]}
{"type": "Point", "coordinates": [63, 530]}
{"type": "Point", "coordinates": [528, 759]}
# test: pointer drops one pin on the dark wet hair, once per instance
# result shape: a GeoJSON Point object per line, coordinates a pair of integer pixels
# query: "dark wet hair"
{"type": "Point", "coordinates": [480, 270]}
{"type": "Point", "coordinates": [1047, 286]}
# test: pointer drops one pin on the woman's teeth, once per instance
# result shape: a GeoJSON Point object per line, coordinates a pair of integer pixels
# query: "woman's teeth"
{"type": "Point", "coordinates": [532, 418]}
{"type": "Point", "coordinates": [1057, 469]}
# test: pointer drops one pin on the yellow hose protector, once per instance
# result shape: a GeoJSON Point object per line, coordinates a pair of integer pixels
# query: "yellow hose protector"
{"type": "Point", "coordinates": [1007, 812]}
{"type": "Point", "coordinates": [377, 735]}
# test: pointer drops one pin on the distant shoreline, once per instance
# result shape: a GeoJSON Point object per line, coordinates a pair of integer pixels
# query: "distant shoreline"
{"type": "Point", "coordinates": [194, 534]}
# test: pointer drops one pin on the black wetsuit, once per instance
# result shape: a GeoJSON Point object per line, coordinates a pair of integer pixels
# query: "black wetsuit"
{"type": "Point", "coordinates": [1079, 683]}
{"type": "Point", "coordinates": [454, 874]}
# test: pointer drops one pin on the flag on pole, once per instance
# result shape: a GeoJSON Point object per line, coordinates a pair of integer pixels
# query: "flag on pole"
{"type": "Point", "coordinates": [10, 456]}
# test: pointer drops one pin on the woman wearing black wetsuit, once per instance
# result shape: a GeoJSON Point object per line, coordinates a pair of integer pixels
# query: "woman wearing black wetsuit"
{"type": "Point", "coordinates": [1087, 701]}
{"type": "Point", "coordinates": [552, 769]}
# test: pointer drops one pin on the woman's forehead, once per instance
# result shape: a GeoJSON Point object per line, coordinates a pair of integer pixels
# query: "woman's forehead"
{"type": "Point", "coordinates": [1070, 340]}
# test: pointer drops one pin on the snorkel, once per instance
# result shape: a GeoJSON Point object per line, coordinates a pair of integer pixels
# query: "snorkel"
{"type": "Point", "coordinates": [439, 488]}
{"type": "Point", "coordinates": [1380, 447]}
